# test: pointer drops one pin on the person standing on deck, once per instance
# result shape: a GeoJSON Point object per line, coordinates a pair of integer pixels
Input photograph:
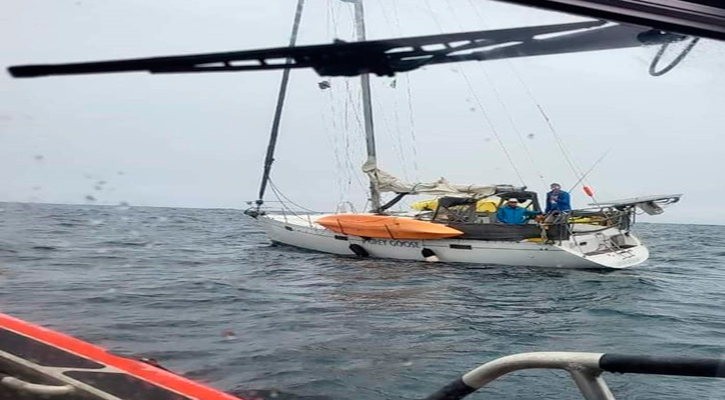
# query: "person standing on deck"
{"type": "Point", "coordinates": [512, 214]}
{"type": "Point", "coordinates": [557, 200]}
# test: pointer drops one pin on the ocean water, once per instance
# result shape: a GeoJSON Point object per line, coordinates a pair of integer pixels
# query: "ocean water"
{"type": "Point", "coordinates": [204, 292]}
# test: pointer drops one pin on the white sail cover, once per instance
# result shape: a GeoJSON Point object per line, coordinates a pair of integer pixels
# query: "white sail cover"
{"type": "Point", "coordinates": [386, 182]}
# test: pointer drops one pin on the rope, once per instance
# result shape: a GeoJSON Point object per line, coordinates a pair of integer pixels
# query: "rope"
{"type": "Point", "coordinates": [653, 67]}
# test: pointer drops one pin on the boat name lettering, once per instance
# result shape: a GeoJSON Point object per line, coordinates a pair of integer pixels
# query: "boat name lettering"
{"type": "Point", "coordinates": [394, 243]}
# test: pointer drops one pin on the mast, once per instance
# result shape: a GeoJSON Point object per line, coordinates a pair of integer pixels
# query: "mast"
{"type": "Point", "coordinates": [367, 107]}
{"type": "Point", "coordinates": [269, 159]}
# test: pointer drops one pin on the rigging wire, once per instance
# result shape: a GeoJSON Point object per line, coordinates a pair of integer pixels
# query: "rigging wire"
{"type": "Point", "coordinates": [397, 145]}
{"type": "Point", "coordinates": [349, 109]}
{"type": "Point", "coordinates": [493, 129]}
{"type": "Point", "coordinates": [416, 169]}
{"type": "Point", "coordinates": [333, 138]}
{"type": "Point", "coordinates": [398, 130]}
{"type": "Point", "coordinates": [599, 160]}
{"type": "Point", "coordinates": [396, 140]}
{"type": "Point", "coordinates": [352, 105]}
{"type": "Point", "coordinates": [272, 145]}
{"type": "Point", "coordinates": [557, 138]}
{"type": "Point", "coordinates": [530, 156]}
{"type": "Point", "coordinates": [397, 32]}
{"type": "Point", "coordinates": [343, 143]}
{"type": "Point", "coordinates": [480, 105]}
{"type": "Point", "coordinates": [653, 66]}
{"type": "Point", "coordinates": [497, 94]}
{"type": "Point", "coordinates": [279, 193]}
{"type": "Point", "coordinates": [343, 182]}
{"type": "Point", "coordinates": [385, 14]}
{"type": "Point", "coordinates": [560, 143]}
{"type": "Point", "coordinates": [409, 99]}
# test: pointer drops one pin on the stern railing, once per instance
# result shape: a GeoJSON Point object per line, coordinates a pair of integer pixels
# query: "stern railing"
{"type": "Point", "coordinates": [586, 370]}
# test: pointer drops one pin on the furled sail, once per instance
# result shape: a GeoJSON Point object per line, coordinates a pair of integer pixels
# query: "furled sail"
{"type": "Point", "coordinates": [386, 182]}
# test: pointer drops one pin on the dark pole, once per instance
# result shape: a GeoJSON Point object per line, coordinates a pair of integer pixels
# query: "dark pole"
{"type": "Point", "coordinates": [269, 159]}
{"type": "Point", "coordinates": [367, 108]}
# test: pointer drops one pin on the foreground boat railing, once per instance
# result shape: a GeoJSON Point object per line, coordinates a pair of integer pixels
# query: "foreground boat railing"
{"type": "Point", "coordinates": [44, 391]}
{"type": "Point", "coordinates": [585, 368]}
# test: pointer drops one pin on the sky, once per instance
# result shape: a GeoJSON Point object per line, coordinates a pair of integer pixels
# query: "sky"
{"type": "Point", "coordinates": [198, 140]}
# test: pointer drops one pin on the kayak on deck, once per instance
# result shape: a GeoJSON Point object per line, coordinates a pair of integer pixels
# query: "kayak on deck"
{"type": "Point", "coordinates": [386, 227]}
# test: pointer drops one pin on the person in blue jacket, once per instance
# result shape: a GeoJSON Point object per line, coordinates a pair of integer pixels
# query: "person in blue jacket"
{"type": "Point", "coordinates": [511, 213]}
{"type": "Point", "coordinates": [557, 200]}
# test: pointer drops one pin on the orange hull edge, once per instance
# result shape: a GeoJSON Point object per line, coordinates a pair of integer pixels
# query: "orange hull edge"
{"type": "Point", "coordinates": [157, 376]}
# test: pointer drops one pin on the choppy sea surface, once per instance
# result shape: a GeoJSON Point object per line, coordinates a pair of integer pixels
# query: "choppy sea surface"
{"type": "Point", "coordinates": [203, 291]}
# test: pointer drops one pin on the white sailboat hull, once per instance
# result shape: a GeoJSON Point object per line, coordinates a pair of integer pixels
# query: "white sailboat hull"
{"type": "Point", "coordinates": [585, 250]}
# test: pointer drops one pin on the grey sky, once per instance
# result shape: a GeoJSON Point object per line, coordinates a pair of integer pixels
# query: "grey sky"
{"type": "Point", "coordinates": [199, 140]}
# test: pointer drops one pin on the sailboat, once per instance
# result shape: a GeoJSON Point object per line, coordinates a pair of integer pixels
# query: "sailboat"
{"type": "Point", "coordinates": [455, 230]}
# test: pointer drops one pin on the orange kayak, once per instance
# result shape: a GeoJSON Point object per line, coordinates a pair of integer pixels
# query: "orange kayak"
{"type": "Point", "coordinates": [72, 368]}
{"type": "Point", "coordinates": [386, 227]}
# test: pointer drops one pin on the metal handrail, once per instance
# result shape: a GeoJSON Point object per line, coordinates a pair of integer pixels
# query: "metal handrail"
{"type": "Point", "coordinates": [20, 385]}
{"type": "Point", "coordinates": [586, 370]}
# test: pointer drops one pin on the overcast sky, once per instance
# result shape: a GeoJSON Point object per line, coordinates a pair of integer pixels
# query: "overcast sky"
{"type": "Point", "coordinates": [199, 140]}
